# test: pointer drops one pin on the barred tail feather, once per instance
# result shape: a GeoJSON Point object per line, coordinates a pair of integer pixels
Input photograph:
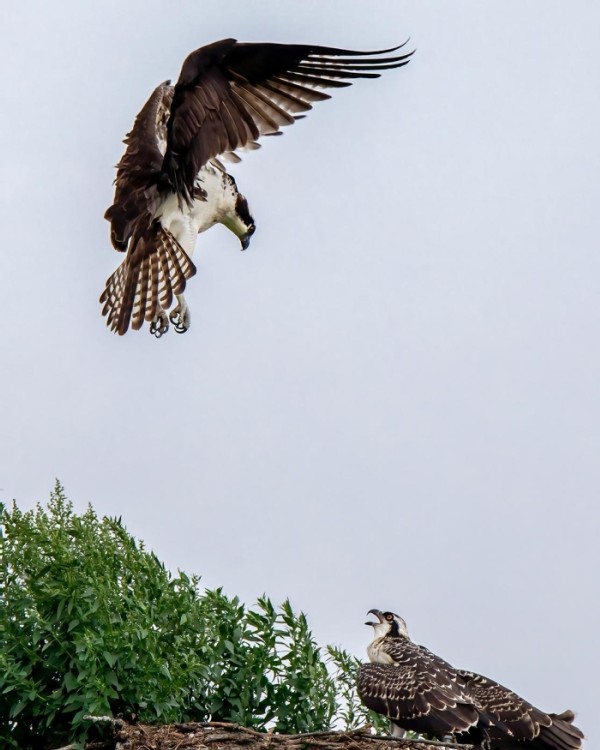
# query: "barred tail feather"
{"type": "Point", "coordinates": [155, 269]}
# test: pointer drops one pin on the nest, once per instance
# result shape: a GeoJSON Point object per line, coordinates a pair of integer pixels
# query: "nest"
{"type": "Point", "coordinates": [223, 736]}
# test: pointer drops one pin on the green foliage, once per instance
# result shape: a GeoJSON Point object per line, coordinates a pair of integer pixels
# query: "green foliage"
{"type": "Point", "coordinates": [265, 668]}
{"type": "Point", "coordinates": [93, 623]}
{"type": "Point", "coordinates": [351, 713]}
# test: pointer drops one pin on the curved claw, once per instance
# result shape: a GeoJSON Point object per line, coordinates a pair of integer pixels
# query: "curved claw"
{"type": "Point", "coordinates": [159, 326]}
{"type": "Point", "coordinates": [157, 330]}
{"type": "Point", "coordinates": [179, 320]}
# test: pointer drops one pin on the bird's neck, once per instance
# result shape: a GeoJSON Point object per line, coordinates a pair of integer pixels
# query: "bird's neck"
{"type": "Point", "coordinates": [377, 651]}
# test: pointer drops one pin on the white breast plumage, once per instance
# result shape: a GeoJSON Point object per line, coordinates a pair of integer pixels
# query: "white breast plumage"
{"type": "Point", "coordinates": [377, 653]}
{"type": "Point", "coordinates": [186, 222]}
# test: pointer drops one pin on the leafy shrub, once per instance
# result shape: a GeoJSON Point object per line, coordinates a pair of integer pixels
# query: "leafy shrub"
{"type": "Point", "coordinates": [350, 712]}
{"type": "Point", "coordinates": [93, 623]}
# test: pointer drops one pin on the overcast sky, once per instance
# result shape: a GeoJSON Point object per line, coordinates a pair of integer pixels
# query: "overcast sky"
{"type": "Point", "coordinates": [391, 399]}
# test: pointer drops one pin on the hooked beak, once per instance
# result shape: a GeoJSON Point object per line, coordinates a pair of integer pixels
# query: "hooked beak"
{"type": "Point", "coordinates": [378, 615]}
{"type": "Point", "coordinates": [245, 238]}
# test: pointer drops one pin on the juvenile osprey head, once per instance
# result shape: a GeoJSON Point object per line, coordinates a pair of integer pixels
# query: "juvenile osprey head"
{"type": "Point", "coordinates": [388, 624]}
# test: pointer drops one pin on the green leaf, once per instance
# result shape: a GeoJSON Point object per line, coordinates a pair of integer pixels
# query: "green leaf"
{"type": "Point", "coordinates": [71, 683]}
{"type": "Point", "coordinates": [16, 708]}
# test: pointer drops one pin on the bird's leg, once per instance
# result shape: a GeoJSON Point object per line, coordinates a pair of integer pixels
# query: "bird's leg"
{"type": "Point", "coordinates": [160, 324]}
{"type": "Point", "coordinates": [180, 316]}
{"type": "Point", "coordinates": [397, 731]}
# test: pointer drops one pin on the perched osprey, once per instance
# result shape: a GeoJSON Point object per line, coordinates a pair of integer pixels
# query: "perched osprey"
{"type": "Point", "coordinates": [171, 183]}
{"type": "Point", "coordinates": [417, 690]}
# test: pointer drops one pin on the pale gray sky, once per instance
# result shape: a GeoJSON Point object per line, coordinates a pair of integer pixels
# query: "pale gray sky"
{"type": "Point", "coordinates": [391, 399]}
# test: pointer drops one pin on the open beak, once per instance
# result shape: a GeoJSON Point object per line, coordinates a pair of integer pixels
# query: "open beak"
{"type": "Point", "coordinates": [245, 238]}
{"type": "Point", "coordinates": [378, 615]}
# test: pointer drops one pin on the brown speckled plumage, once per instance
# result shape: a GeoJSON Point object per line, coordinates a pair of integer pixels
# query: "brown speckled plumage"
{"type": "Point", "coordinates": [419, 691]}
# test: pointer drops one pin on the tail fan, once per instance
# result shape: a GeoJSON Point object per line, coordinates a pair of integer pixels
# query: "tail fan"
{"type": "Point", "coordinates": [155, 269]}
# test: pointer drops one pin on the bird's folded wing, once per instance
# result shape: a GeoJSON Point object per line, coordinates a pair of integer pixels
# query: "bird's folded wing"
{"type": "Point", "coordinates": [521, 718]}
{"type": "Point", "coordinates": [512, 710]}
{"type": "Point", "coordinates": [415, 689]}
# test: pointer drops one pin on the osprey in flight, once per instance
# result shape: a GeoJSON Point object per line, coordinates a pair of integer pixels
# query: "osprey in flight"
{"type": "Point", "coordinates": [419, 691]}
{"type": "Point", "coordinates": [171, 183]}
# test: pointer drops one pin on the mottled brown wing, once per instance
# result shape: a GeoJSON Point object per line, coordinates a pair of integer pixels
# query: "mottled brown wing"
{"type": "Point", "coordinates": [420, 691]}
{"type": "Point", "coordinates": [229, 94]}
{"type": "Point", "coordinates": [399, 649]}
{"type": "Point", "coordinates": [140, 167]}
{"type": "Point", "coordinates": [156, 268]}
{"type": "Point", "coordinates": [523, 720]}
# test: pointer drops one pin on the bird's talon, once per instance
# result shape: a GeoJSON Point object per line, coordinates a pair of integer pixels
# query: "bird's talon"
{"type": "Point", "coordinates": [159, 326]}
{"type": "Point", "coordinates": [180, 319]}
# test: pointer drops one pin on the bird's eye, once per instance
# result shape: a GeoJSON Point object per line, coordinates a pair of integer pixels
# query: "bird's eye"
{"type": "Point", "coordinates": [389, 617]}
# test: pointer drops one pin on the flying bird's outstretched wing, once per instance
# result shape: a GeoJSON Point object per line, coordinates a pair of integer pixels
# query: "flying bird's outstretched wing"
{"type": "Point", "coordinates": [230, 93]}
{"type": "Point", "coordinates": [530, 727]}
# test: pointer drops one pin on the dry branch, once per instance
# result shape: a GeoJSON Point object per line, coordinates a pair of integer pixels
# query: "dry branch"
{"type": "Point", "coordinates": [224, 736]}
